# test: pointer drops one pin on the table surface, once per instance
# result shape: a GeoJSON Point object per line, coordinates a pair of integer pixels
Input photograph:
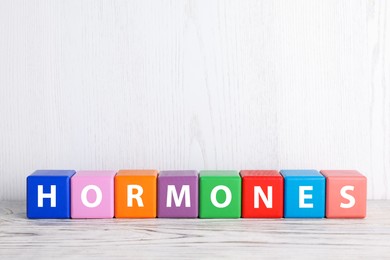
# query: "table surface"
{"type": "Point", "coordinates": [168, 238]}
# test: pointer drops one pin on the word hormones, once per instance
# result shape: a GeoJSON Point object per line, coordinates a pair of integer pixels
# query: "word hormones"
{"type": "Point", "coordinates": [189, 194]}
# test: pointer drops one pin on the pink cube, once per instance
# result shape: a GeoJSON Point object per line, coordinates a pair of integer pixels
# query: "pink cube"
{"type": "Point", "coordinates": [92, 194]}
{"type": "Point", "coordinates": [346, 194]}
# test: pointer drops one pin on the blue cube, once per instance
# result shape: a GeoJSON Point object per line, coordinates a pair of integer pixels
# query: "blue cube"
{"type": "Point", "coordinates": [48, 194]}
{"type": "Point", "coordinates": [304, 194]}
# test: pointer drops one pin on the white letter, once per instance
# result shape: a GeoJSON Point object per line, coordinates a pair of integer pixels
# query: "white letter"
{"type": "Point", "coordinates": [51, 196]}
{"type": "Point", "coordinates": [345, 195]}
{"type": "Point", "coordinates": [98, 199]}
{"type": "Point", "coordinates": [213, 196]}
{"type": "Point", "coordinates": [259, 191]}
{"type": "Point", "coordinates": [303, 196]}
{"type": "Point", "coordinates": [171, 192]}
{"type": "Point", "coordinates": [137, 196]}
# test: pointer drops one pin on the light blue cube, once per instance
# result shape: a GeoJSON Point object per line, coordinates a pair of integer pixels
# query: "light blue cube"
{"type": "Point", "coordinates": [304, 194]}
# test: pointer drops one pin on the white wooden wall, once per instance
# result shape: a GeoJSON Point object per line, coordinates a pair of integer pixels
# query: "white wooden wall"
{"type": "Point", "coordinates": [194, 84]}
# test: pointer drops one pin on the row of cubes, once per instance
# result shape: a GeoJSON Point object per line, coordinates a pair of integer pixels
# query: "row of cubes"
{"type": "Point", "coordinates": [192, 194]}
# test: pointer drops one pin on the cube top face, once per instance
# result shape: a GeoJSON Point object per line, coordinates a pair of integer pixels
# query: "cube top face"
{"type": "Point", "coordinates": [300, 173]}
{"type": "Point", "coordinates": [152, 173]}
{"type": "Point", "coordinates": [304, 194]}
{"type": "Point", "coordinates": [92, 194]}
{"type": "Point", "coordinates": [53, 173]}
{"type": "Point", "coordinates": [343, 174]}
{"type": "Point", "coordinates": [346, 194]}
{"type": "Point", "coordinates": [178, 194]}
{"type": "Point", "coordinates": [136, 194]}
{"type": "Point", "coordinates": [260, 173]}
{"type": "Point", "coordinates": [178, 173]}
{"type": "Point", "coordinates": [48, 194]}
{"type": "Point", "coordinates": [97, 174]}
{"type": "Point", "coordinates": [219, 174]}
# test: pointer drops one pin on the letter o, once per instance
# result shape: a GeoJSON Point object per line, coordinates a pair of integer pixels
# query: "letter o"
{"type": "Point", "coordinates": [213, 196]}
{"type": "Point", "coordinates": [99, 196]}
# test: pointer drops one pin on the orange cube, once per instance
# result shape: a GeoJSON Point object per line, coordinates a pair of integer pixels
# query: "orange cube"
{"type": "Point", "coordinates": [136, 194]}
{"type": "Point", "coordinates": [346, 194]}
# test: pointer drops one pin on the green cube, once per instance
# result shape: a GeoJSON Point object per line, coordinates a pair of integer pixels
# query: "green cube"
{"type": "Point", "coordinates": [220, 194]}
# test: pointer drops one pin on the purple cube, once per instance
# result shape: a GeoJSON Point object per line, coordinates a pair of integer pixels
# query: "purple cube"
{"type": "Point", "coordinates": [177, 194]}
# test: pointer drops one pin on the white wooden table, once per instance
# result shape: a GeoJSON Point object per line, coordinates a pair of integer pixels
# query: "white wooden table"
{"type": "Point", "coordinates": [168, 238]}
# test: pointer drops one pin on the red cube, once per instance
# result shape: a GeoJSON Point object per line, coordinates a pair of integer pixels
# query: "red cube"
{"type": "Point", "coordinates": [262, 194]}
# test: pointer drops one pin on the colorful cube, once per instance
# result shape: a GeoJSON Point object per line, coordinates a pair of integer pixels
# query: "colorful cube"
{"type": "Point", "coordinates": [136, 194]}
{"type": "Point", "coordinates": [262, 194]}
{"type": "Point", "coordinates": [92, 194]}
{"type": "Point", "coordinates": [220, 194]}
{"type": "Point", "coordinates": [304, 194]}
{"type": "Point", "coordinates": [346, 194]}
{"type": "Point", "coordinates": [48, 194]}
{"type": "Point", "coordinates": [178, 194]}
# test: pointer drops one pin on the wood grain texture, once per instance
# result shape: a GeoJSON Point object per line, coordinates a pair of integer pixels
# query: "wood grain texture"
{"type": "Point", "coordinates": [194, 85]}
{"type": "Point", "coordinates": [194, 238]}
